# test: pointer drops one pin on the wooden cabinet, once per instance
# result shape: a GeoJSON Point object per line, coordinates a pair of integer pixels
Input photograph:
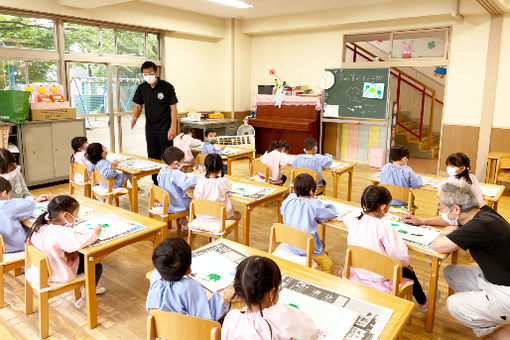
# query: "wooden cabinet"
{"type": "Point", "coordinates": [45, 149]}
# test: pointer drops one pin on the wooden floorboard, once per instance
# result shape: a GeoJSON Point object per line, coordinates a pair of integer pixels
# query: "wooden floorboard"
{"type": "Point", "coordinates": [122, 313]}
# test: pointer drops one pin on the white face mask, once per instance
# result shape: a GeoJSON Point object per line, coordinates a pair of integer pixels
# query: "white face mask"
{"type": "Point", "coordinates": [454, 222]}
{"type": "Point", "coordinates": [150, 78]}
{"type": "Point", "coordinates": [451, 170]}
{"type": "Point", "coordinates": [10, 175]}
{"type": "Point", "coordinates": [71, 224]}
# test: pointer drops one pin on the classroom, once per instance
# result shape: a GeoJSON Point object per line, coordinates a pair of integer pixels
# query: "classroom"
{"type": "Point", "coordinates": [252, 169]}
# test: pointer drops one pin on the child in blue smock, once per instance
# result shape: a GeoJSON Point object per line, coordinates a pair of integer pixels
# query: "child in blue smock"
{"type": "Point", "coordinates": [176, 182]}
{"type": "Point", "coordinates": [302, 210]}
{"type": "Point", "coordinates": [209, 147]}
{"type": "Point", "coordinates": [312, 160]}
{"type": "Point", "coordinates": [171, 291]}
{"type": "Point", "coordinates": [96, 154]}
{"type": "Point", "coordinates": [397, 172]}
{"type": "Point", "coordinates": [11, 210]}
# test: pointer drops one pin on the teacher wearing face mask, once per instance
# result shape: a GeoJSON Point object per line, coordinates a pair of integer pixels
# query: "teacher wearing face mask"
{"type": "Point", "coordinates": [482, 293]}
{"type": "Point", "coordinates": [160, 102]}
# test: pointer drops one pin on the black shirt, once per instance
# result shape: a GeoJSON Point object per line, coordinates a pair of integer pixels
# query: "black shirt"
{"type": "Point", "coordinates": [157, 102]}
{"type": "Point", "coordinates": [487, 236]}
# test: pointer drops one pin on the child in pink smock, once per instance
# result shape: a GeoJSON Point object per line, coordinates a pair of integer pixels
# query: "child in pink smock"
{"type": "Point", "coordinates": [54, 235]}
{"type": "Point", "coordinates": [79, 145]}
{"type": "Point", "coordinates": [185, 141]}
{"type": "Point", "coordinates": [275, 158]}
{"type": "Point", "coordinates": [458, 166]}
{"type": "Point", "coordinates": [257, 283]}
{"type": "Point", "coordinates": [368, 230]}
{"type": "Point", "coordinates": [215, 187]}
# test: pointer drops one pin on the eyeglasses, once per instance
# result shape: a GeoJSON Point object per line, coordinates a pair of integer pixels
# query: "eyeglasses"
{"type": "Point", "coordinates": [149, 74]}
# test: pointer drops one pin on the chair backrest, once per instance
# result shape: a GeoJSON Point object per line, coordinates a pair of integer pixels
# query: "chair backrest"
{"type": "Point", "coordinates": [96, 177]}
{"type": "Point", "coordinates": [298, 171]}
{"type": "Point", "coordinates": [504, 163]}
{"type": "Point", "coordinates": [78, 168]}
{"type": "Point", "coordinates": [257, 167]}
{"type": "Point", "coordinates": [34, 257]}
{"type": "Point", "coordinates": [2, 249]}
{"type": "Point", "coordinates": [373, 261]}
{"type": "Point", "coordinates": [402, 194]}
{"type": "Point", "coordinates": [282, 233]}
{"type": "Point", "coordinates": [211, 208]}
{"type": "Point", "coordinates": [173, 326]}
{"type": "Point", "coordinates": [200, 159]}
{"type": "Point", "coordinates": [160, 195]}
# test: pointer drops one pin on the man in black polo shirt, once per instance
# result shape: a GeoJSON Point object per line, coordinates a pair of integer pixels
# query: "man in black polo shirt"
{"type": "Point", "coordinates": [482, 293]}
{"type": "Point", "coordinates": [160, 111]}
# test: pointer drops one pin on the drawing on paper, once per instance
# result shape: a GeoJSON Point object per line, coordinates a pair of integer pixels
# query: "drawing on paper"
{"type": "Point", "coordinates": [373, 90]}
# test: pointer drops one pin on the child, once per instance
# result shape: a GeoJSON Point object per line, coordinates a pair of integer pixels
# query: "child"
{"type": "Point", "coordinates": [312, 160]}
{"type": "Point", "coordinates": [170, 291]}
{"type": "Point", "coordinates": [397, 172]}
{"type": "Point", "coordinates": [276, 157]}
{"type": "Point", "coordinates": [215, 188]}
{"type": "Point", "coordinates": [302, 210]}
{"type": "Point", "coordinates": [54, 235]}
{"type": "Point", "coordinates": [458, 166]}
{"type": "Point", "coordinates": [257, 283]}
{"type": "Point", "coordinates": [79, 145]}
{"type": "Point", "coordinates": [12, 172]}
{"type": "Point", "coordinates": [368, 230]}
{"type": "Point", "coordinates": [209, 147]}
{"type": "Point", "coordinates": [96, 154]}
{"type": "Point", "coordinates": [184, 141]}
{"type": "Point", "coordinates": [11, 210]}
{"type": "Point", "coordinates": [175, 182]}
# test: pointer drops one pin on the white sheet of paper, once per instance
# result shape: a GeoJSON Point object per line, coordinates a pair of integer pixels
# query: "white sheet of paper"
{"type": "Point", "coordinates": [41, 206]}
{"type": "Point", "coordinates": [111, 225]}
{"type": "Point", "coordinates": [331, 111]}
{"type": "Point", "coordinates": [332, 321]}
{"type": "Point", "coordinates": [373, 90]}
{"type": "Point", "coordinates": [213, 271]}
{"type": "Point", "coordinates": [231, 151]}
{"type": "Point", "coordinates": [376, 176]}
{"type": "Point", "coordinates": [433, 182]}
{"type": "Point", "coordinates": [250, 191]}
{"type": "Point", "coordinates": [423, 235]}
{"type": "Point", "coordinates": [341, 209]}
{"type": "Point", "coordinates": [116, 157]}
{"type": "Point", "coordinates": [488, 190]}
{"type": "Point", "coordinates": [338, 165]}
{"type": "Point", "coordinates": [139, 164]}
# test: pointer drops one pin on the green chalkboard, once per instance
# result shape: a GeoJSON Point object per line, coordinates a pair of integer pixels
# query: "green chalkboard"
{"type": "Point", "coordinates": [348, 93]}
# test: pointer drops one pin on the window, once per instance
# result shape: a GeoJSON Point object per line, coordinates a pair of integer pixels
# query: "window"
{"type": "Point", "coordinates": [88, 87]}
{"type": "Point", "coordinates": [42, 71]}
{"type": "Point", "coordinates": [131, 43]}
{"type": "Point", "coordinates": [129, 79]}
{"type": "Point", "coordinates": [12, 73]}
{"type": "Point", "coordinates": [153, 42]}
{"type": "Point", "coordinates": [81, 38]}
{"type": "Point", "coordinates": [23, 32]}
{"type": "Point", "coordinates": [108, 40]}
{"type": "Point", "coordinates": [423, 44]}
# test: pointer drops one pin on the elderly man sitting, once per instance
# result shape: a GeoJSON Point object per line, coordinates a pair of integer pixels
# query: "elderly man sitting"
{"type": "Point", "coordinates": [482, 298]}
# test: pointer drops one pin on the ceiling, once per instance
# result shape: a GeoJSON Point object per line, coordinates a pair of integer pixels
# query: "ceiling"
{"type": "Point", "coordinates": [263, 8]}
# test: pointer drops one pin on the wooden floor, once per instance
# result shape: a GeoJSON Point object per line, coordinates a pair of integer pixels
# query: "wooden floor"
{"type": "Point", "coordinates": [122, 313]}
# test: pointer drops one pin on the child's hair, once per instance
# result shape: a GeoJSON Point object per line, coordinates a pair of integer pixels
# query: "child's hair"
{"type": "Point", "coordinates": [76, 143]}
{"type": "Point", "coordinates": [273, 146]}
{"type": "Point", "coordinates": [398, 152]}
{"type": "Point", "coordinates": [310, 143]}
{"type": "Point", "coordinates": [172, 154]}
{"type": "Point", "coordinates": [303, 184]}
{"type": "Point", "coordinates": [213, 164]}
{"type": "Point", "coordinates": [7, 161]}
{"type": "Point", "coordinates": [172, 258]}
{"type": "Point", "coordinates": [459, 159]}
{"type": "Point", "coordinates": [186, 129]}
{"type": "Point", "coordinates": [373, 197]}
{"type": "Point", "coordinates": [284, 145]}
{"type": "Point", "coordinates": [61, 203]}
{"type": "Point", "coordinates": [208, 131]}
{"type": "Point", "coordinates": [94, 152]}
{"type": "Point", "coordinates": [5, 185]}
{"type": "Point", "coordinates": [255, 276]}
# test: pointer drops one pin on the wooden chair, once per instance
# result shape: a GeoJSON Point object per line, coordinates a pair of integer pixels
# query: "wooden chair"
{"type": "Point", "coordinates": [199, 160]}
{"type": "Point", "coordinates": [79, 169]}
{"type": "Point", "coordinates": [284, 234]}
{"type": "Point", "coordinates": [161, 196]}
{"type": "Point", "coordinates": [259, 169]}
{"type": "Point", "coordinates": [172, 326]}
{"type": "Point", "coordinates": [213, 229]}
{"type": "Point", "coordinates": [502, 170]}
{"type": "Point", "coordinates": [402, 194]}
{"type": "Point", "coordinates": [298, 171]}
{"type": "Point", "coordinates": [37, 272]}
{"type": "Point", "coordinates": [110, 193]}
{"type": "Point", "coordinates": [8, 262]}
{"type": "Point", "coordinates": [378, 263]}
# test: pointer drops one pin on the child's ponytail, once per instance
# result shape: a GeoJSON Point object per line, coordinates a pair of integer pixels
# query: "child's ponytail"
{"type": "Point", "coordinates": [373, 197]}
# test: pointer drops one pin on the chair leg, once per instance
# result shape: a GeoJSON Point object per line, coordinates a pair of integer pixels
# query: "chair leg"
{"type": "Point", "coordinates": [410, 298]}
{"type": "Point", "coordinates": [29, 298]}
{"type": "Point", "coordinates": [44, 320]}
{"type": "Point", "coordinates": [1, 288]}
{"type": "Point", "coordinates": [190, 238]}
{"type": "Point", "coordinates": [110, 199]}
{"type": "Point", "coordinates": [130, 194]}
{"type": "Point", "coordinates": [17, 271]}
{"type": "Point", "coordinates": [236, 233]}
{"type": "Point", "coordinates": [77, 293]}
{"type": "Point", "coordinates": [116, 201]}
{"type": "Point", "coordinates": [71, 188]}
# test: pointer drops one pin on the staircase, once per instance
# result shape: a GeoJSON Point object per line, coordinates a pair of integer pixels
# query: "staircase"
{"type": "Point", "coordinates": [417, 147]}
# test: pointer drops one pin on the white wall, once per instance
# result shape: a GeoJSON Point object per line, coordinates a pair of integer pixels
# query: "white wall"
{"type": "Point", "coordinates": [501, 118]}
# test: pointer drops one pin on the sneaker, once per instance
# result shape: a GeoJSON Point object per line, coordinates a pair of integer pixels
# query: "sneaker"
{"type": "Point", "coordinates": [80, 302]}
{"type": "Point", "coordinates": [425, 307]}
{"type": "Point", "coordinates": [100, 290]}
{"type": "Point", "coordinates": [182, 222]}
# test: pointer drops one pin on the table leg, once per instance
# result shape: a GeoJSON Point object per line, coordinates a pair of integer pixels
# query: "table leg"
{"type": "Point", "coordinates": [280, 217]}
{"type": "Point", "coordinates": [495, 205]}
{"type": "Point", "coordinates": [246, 225]}
{"type": "Point", "coordinates": [229, 166]}
{"type": "Point", "coordinates": [434, 273]}
{"type": "Point", "coordinates": [349, 185]}
{"type": "Point", "coordinates": [455, 256]}
{"type": "Point", "coordinates": [134, 194]}
{"type": "Point", "coordinates": [488, 173]}
{"type": "Point", "coordinates": [335, 185]}
{"type": "Point", "coordinates": [90, 291]}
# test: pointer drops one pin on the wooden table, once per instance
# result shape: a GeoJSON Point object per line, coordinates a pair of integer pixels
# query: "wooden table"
{"type": "Point", "coordinates": [223, 127]}
{"type": "Point", "coordinates": [244, 153]}
{"type": "Point", "coordinates": [402, 308]}
{"type": "Point", "coordinates": [155, 232]}
{"type": "Point", "coordinates": [492, 165]}
{"type": "Point", "coordinates": [492, 201]}
{"type": "Point", "coordinates": [434, 258]}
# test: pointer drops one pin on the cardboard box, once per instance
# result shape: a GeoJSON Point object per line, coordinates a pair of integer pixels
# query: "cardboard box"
{"type": "Point", "coordinates": [49, 114]}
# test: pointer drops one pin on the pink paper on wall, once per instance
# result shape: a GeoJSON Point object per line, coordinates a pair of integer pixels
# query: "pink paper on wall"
{"type": "Point", "coordinates": [352, 146]}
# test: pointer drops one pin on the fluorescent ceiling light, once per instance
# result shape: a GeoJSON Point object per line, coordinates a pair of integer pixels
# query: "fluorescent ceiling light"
{"type": "Point", "coordinates": [233, 3]}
